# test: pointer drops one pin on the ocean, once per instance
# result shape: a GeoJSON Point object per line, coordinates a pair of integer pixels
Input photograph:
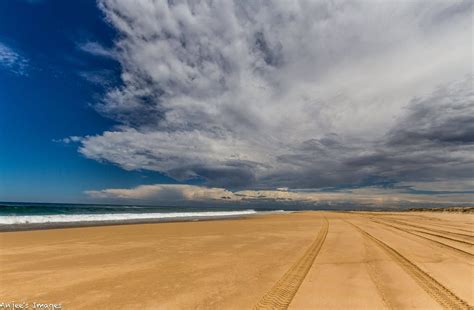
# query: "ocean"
{"type": "Point", "coordinates": [44, 215]}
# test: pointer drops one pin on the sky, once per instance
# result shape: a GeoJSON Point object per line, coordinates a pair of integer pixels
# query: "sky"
{"type": "Point", "coordinates": [237, 102]}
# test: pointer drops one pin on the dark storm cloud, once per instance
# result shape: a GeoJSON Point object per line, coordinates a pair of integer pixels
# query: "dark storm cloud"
{"type": "Point", "coordinates": [300, 94]}
{"type": "Point", "coordinates": [433, 140]}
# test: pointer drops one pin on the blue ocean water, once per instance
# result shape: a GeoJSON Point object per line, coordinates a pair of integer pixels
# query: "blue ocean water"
{"type": "Point", "coordinates": [37, 213]}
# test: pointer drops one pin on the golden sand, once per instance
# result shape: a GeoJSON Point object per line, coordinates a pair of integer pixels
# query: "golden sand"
{"type": "Point", "coordinates": [308, 260]}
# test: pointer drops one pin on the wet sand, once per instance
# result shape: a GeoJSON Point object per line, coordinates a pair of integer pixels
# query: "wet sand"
{"type": "Point", "coordinates": [308, 260]}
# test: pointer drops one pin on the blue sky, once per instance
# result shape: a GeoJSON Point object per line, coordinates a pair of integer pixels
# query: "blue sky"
{"type": "Point", "coordinates": [50, 100]}
{"type": "Point", "coordinates": [236, 102]}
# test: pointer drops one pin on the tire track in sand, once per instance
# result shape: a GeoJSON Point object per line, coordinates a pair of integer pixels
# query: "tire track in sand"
{"type": "Point", "coordinates": [379, 283]}
{"type": "Point", "coordinates": [440, 244]}
{"type": "Point", "coordinates": [429, 233]}
{"type": "Point", "coordinates": [282, 293]}
{"type": "Point", "coordinates": [439, 292]}
{"type": "Point", "coordinates": [433, 230]}
{"type": "Point", "coordinates": [431, 222]}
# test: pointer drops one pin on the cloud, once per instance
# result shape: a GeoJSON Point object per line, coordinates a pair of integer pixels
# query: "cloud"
{"type": "Point", "coordinates": [96, 49]}
{"type": "Point", "coordinates": [102, 77]}
{"type": "Point", "coordinates": [13, 61]}
{"type": "Point", "coordinates": [165, 192]}
{"type": "Point", "coordinates": [457, 186]}
{"type": "Point", "coordinates": [301, 94]}
{"type": "Point", "coordinates": [187, 194]}
{"type": "Point", "coordinates": [67, 140]}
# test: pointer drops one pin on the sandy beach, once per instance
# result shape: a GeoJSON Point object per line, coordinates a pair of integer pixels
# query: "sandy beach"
{"type": "Point", "coordinates": [304, 260]}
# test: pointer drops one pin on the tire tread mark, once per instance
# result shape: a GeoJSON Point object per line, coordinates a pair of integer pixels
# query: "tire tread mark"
{"type": "Point", "coordinates": [431, 222]}
{"type": "Point", "coordinates": [430, 233]}
{"type": "Point", "coordinates": [283, 292]}
{"type": "Point", "coordinates": [378, 282]}
{"type": "Point", "coordinates": [436, 230]}
{"type": "Point", "coordinates": [444, 245]}
{"type": "Point", "coordinates": [449, 226]}
{"type": "Point", "coordinates": [444, 237]}
{"type": "Point", "coordinates": [439, 292]}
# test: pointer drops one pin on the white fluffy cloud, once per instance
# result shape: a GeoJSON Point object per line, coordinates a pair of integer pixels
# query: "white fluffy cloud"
{"type": "Point", "coordinates": [178, 193]}
{"type": "Point", "coordinates": [12, 60]}
{"type": "Point", "coordinates": [299, 94]}
{"type": "Point", "coordinates": [165, 192]}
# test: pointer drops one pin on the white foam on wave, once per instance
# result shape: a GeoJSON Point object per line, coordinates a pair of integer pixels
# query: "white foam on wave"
{"type": "Point", "coordinates": [67, 218]}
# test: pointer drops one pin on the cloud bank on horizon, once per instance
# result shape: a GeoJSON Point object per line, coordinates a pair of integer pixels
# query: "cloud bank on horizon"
{"type": "Point", "coordinates": [250, 96]}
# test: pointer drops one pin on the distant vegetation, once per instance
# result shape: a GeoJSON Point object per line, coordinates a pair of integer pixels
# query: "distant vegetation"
{"type": "Point", "coordinates": [446, 209]}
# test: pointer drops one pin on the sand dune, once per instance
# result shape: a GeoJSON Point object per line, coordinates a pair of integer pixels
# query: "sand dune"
{"type": "Point", "coordinates": [308, 260]}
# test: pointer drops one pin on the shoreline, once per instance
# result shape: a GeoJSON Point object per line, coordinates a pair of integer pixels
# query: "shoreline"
{"type": "Point", "coordinates": [66, 225]}
{"type": "Point", "coordinates": [84, 224]}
